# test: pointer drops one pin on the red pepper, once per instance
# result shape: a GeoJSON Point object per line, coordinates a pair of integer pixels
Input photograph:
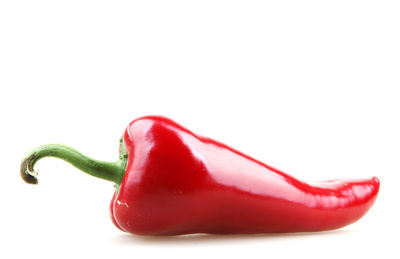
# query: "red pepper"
{"type": "Point", "coordinates": [170, 181]}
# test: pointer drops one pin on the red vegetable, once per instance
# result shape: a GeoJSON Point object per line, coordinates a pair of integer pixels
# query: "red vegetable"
{"type": "Point", "coordinates": [170, 181]}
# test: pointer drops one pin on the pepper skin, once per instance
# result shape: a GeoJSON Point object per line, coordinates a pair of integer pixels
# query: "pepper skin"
{"type": "Point", "coordinates": [170, 181]}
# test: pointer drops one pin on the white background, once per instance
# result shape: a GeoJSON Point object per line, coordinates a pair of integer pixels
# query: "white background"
{"type": "Point", "coordinates": [309, 87]}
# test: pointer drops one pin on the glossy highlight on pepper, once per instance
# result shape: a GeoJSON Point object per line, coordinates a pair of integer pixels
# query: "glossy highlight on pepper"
{"type": "Point", "coordinates": [170, 181]}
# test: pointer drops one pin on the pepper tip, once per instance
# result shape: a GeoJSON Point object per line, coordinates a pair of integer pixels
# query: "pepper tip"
{"type": "Point", "coordinates": [376, 181]}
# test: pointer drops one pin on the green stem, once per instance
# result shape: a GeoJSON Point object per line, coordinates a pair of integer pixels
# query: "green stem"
{"type": "Point", "coordinates": [111, 171]}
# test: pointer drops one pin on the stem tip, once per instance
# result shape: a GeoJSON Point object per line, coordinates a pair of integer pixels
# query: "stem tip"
{"type": "Point", "coordinates": [27, 173]}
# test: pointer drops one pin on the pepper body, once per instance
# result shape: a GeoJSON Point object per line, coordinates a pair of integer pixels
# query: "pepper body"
{"type": "Point", "coordinates": [179, 183]}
